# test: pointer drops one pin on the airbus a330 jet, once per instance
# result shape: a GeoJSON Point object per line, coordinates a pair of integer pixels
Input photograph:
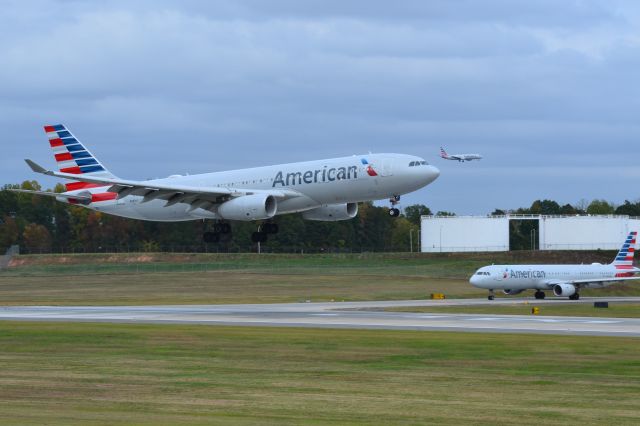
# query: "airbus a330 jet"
{"type": "Point", "coordinates": [324, 190]}
{"type": "Point", "coordinates": [563, 280]}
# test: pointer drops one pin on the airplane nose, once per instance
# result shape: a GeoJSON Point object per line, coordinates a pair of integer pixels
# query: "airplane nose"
{"type": "Point", "coordinates": [474, 280]}
{"type": "Point", "coordinates": [432, 173]}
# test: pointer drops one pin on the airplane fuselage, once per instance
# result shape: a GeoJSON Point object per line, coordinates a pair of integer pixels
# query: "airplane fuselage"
{"type": "Point", "coordinates": [543, 277]}
{"type": "Point", "coordinates": [317, 183]}
{"type": "Point", "coordinates": [463, 157]}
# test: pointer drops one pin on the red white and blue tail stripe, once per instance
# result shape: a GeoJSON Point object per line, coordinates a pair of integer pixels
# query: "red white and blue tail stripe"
{"type": "Point", "coordinates": [72, 156]}
{"type": "Point", "coordinates": [624, 258]}
{"type": "Point", "coordinates": [443, 153]}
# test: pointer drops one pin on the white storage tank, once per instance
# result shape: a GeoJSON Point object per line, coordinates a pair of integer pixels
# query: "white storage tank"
{"type": "Point", "coordinates": [464, 233]}
{"type": "Point", "coordinates": [585, 232]}
{"type": "Point", "coordinates": [483, 233]}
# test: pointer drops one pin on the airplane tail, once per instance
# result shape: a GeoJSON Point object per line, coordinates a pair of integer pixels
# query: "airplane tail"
{"type": "Point", "coordinates": [73, 157]}
{"type": "Point", "coordinates": [443, 153]}
{"type": "Point", "coordinates": [624, 258]}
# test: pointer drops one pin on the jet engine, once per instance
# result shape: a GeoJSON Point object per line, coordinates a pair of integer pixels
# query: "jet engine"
{"type": "Point", "coordinates": [332, 212]}
{"type": "Point", "coordinates": [564, 290]}
{"type": "Point", "coordinates": [511, 292]}
{"type": "Point", "coordinates": [249, 207]}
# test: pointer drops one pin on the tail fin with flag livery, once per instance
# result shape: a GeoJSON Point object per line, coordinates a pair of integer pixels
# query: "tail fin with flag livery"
{"type": "Point", "coordinates": [73, 157]}
{"type": "Point", "coordinates": [624, 258]}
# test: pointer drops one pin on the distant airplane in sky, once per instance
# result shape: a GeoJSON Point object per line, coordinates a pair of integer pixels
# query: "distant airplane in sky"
{"type": "Point", "coordinates": [564, 280]}
{"type": "Point", "coordinates": [324, 190]}
{"type": "Point", "coordinates": [459, 157]}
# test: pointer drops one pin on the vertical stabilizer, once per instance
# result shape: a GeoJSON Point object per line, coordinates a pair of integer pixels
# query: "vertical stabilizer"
{"type": "Point", "coordinates": [624, 258]}
{"type": "Point", "coordinates": [73, 157]}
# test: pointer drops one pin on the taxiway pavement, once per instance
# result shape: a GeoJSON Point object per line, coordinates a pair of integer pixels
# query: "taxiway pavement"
{"type": "Point", "coordinates": [343, 315]}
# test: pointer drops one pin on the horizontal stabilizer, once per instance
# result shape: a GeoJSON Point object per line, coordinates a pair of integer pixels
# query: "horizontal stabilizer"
{"type": "Point", "coordinates": [79, 197]}
{"type": "Point", "coordinates": [35, 166]}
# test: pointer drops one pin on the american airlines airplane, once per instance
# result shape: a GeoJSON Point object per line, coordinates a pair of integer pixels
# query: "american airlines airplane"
{"type": "Point", "coordinates": [459, 157]}
{"type": "Point", "coordinates": [324, 190]}
{"type": "Point", "coordinates": [564, 280]}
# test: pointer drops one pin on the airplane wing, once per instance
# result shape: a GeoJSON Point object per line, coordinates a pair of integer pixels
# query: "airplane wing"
{"type": "Point", "coordinates": [196, 197]}
{"type": "Point", "coordinates": [603, 280]}
{"type": "Point", "coordinates": [592, 280]}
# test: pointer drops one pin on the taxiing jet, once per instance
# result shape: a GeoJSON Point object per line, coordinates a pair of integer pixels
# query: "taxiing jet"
{"type": "Point", "coordinates": [564, 280]}
{"type": "Point", "coordinates": [459, 157]}
{"type": "Point", "coordinates": [324, 190]}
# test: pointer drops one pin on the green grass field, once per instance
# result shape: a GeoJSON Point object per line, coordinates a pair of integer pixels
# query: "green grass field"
{"type": "Point", "coordinates": [143, 279]}
{"type": "Point", "coordinates": [244, 278]}
{"type": "Point", "coordinates": [91, 374]}
{"type": "Point", "coordinates": [106, 374]}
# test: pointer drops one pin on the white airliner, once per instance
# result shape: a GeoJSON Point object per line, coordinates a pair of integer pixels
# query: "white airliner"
{"type": "Point", "coordinates": [325, 190]}
{"type": "Point", "coordinates": [564, 280]}
{"type": "Point", "coordinates": [459, 157]}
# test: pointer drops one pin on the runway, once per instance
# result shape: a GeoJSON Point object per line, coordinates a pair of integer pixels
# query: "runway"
{"type": "Point", "coordinates": [365, 315]}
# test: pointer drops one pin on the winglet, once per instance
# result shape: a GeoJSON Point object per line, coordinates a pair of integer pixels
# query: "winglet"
{"type": "Point", "coordinates": [36, 167]}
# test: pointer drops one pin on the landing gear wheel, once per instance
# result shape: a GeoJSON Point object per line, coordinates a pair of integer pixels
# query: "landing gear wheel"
{"type": "Point", "coordinates": [269, 228]}
{"type": "Point", "coordinates": [259, 237]}
{"type": "Point", "coordinates": [211, 237]}
{"type": "Point", "coordinates": [574, 296]}
{"type": "Point", "coordinates": [393, 211]}
{"type": "Point", "coordinates": [222, 228]}
{"type": "Point", "coordinates": [491, 295]}
{"type": "Point", "coordinates": [539, 294]}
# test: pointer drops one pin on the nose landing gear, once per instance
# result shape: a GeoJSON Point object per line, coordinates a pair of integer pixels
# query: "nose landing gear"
{"type": "Point", "coordinates": [491, 295]}
{"type": "Point", "coordinates": [263, 231]}
{"type": "Point", "coordinates": [393, 211]}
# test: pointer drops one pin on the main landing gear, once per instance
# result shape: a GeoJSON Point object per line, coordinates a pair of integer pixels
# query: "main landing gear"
{"type": "Point", "coordinates": [539, 294]}
{"type": "Point", "coordinates": [393, 211]}
{"type": "Point", "coordinates": [574, 296]}
{"type": "Point", "coordinates": [219, 229]}
{"type": "Point", "coordinates": [263, 231]}
{"type": "Point", "coordinates": [491, 295]}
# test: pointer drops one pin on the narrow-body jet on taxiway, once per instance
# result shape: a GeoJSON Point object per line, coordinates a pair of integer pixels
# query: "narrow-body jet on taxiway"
{"type": "Point", "coordinates": [563, 280]}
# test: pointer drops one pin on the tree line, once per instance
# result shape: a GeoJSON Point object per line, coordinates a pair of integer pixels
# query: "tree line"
{"type": "Point", "coordinates": [42, 225]}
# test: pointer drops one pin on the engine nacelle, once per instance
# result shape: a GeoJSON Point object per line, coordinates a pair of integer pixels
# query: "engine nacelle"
{"type": "Point", "coordinates": [249, 207]}
{"type": "Point", "coordinates": [511, 292]}
{"type": "Point", "coordinates": [332, 212]}
{"type": "Point", "coordinates": [564, 290]}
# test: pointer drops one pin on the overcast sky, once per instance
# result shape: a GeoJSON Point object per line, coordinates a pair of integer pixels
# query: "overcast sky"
{"type": "Point", "coordinates": [548, 91]}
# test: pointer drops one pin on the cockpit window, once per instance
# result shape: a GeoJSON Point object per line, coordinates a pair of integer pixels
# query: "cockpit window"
{"type": "Point", "coordinates": [418, 163]}
{"type": "Point", "coordinates": [411, 164]}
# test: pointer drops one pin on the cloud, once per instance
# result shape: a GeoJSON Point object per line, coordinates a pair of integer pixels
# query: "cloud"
{"type": "Point", "coordinates": [157, 87]}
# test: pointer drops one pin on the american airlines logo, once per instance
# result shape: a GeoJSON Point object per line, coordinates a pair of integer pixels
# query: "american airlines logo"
{"type": "Point", "coordinates": [526, 274]}
{"type": "Point", "coordinates": [325, 174]}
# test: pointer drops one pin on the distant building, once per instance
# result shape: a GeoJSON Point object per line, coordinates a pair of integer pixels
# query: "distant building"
{"type": "Point", "coordinates": [491, 233]}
